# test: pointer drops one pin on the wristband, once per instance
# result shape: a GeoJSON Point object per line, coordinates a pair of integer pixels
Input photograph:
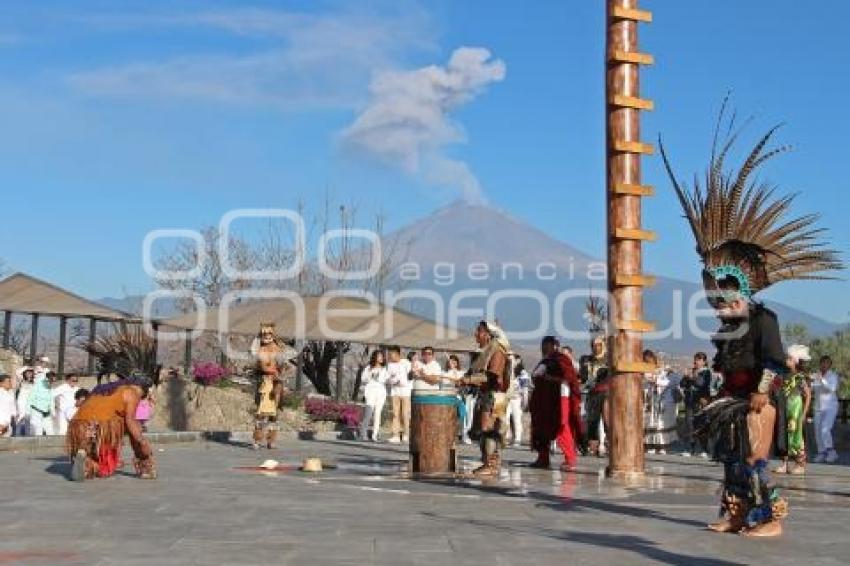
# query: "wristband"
{"type": "Point", "coordinates": [767, 377]}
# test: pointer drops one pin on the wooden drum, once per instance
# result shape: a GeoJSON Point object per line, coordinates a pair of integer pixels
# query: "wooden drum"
{"type": "Point", "coordinates": [433, 431]}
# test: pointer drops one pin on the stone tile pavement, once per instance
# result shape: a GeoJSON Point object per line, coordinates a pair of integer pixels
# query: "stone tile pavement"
{"type": "Point", "coordinates": [366, 510]}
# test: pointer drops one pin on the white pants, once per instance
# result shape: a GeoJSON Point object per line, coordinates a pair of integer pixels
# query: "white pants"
{"type": "Point", "coordinates": [40, 424]}
{"type": "Point", "coordinates": [602, 434]}
{"type": "Point", "coordinates": [469, 402]}
{"type": "Point", "coordinates": [372, 415]}
{"type": "Point", "coordinates": [61, 425]}
{"type": "Point", "coordinates": [514, 417]}
{"type": "Point", "coordinates": [824, 420]}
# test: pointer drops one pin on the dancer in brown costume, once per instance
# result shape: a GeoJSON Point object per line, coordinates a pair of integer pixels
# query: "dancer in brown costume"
{"type": "Point", "coordinates": [269, 353]}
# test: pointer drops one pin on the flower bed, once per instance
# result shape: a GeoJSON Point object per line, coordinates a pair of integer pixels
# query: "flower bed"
{"type": "Point", "coordinates": [319, 409]}
{"type": "Point", "coordinates": [208, 373]}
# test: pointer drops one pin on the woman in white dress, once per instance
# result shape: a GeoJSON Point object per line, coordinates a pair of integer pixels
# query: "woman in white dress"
{"type": "Point", "coordinates": [660, 406]}
{"type": "Point", "coordinates": [375, 391]}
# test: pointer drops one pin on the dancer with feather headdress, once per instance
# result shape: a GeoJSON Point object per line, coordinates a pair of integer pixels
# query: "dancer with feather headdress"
{"type": "Point", "coordinates": [490, 372]}
{"type": "Point", "coordinates": [746, 245]}
{"type": "Point", "coordinates": [593, 374]}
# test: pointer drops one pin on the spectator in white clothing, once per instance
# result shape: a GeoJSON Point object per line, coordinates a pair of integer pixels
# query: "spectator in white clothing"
{"type": "Point", "coordinates": [515, 402]}
{"type": "Point", "coordinates": [375, 380]}
{"type": "Point", "coordinates": [8, 410]}
{"type": "Point", "coordinates": [398, 376]}
{"type": "Point", "coordinates": [41, 403]}
{"type": "Point", "coordinates": [63, 403]}
{"type": "Point", "coordinates": [22, 397]}
{"type": "Point", "coordinates": [825, 387]}
{"type": "Point", "coordinates": [429, 375]}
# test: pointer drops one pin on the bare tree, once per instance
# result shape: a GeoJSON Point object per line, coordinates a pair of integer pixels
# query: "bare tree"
{"type": "Point", "coordinates": [19, 338]}
{"type": "Point", "coordinates": [212, 284]}
{"type": "Point", "coordinates": [274, 248]}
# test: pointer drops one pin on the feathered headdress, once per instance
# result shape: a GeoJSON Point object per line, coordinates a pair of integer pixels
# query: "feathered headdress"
{"type": "Point", "coordinates": [596, 315]}
{"type": "Point", "coordinates": [497, 334]}
{"type": "Point", "coordinates": [741, 226]}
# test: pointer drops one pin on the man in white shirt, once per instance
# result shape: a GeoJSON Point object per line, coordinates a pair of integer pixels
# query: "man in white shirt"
{"type": "Point", "coordinates": [429, 375]}
{"type": "Point", "coordinates": [825, 387]}
{"type": "Point", "coordinates": [399, 380]}
{"type": "Point", "coordinates": [63, 403]}
{"type": "Point", "coordinates": [8, 410]}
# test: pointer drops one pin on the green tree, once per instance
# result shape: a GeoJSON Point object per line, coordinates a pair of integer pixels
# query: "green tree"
{"type": "Point", "coordinates": [795, 334]}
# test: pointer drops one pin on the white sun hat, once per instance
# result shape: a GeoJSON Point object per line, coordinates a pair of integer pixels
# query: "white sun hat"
{"type": "Point", "coordinates": [800, 353]}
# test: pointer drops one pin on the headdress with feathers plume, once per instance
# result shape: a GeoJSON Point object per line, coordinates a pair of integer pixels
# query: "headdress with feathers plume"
{"type": "Point", "coordinates": [740, 224]}
{"type": "Point", "coordinates": [596, 315]}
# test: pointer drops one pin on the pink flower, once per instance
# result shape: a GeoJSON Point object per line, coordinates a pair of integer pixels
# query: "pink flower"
{"type": "Point", "coordinates": [208, 373]}
{"type": "Point", "coordinates": [329, 410]}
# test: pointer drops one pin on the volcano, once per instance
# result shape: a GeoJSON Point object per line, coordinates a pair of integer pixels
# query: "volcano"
{"type": "Point", "coordinates": [468, 253]}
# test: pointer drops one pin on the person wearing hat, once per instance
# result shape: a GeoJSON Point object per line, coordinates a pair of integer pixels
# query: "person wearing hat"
{"type": "Point", "coordinates": [96, 432]}
{"type": "Point", "coordinates": [270, 354]}
{"type": "Point", "coordinates": [798, 397]}
{"type": "Point", "coordinates": [41, 406]}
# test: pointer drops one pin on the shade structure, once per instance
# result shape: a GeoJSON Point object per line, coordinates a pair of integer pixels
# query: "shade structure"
{"type": "Point", "coordinates": [328, 317]}
{"type": "Point", "coordinates": [22, 293]}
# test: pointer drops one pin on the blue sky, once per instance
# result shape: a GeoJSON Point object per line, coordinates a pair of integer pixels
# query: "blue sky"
{"type": "Point", "coordinates": [119, 118]}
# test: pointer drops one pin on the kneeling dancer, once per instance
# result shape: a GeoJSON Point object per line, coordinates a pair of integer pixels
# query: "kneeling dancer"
{"type": "Point", "coordinates": [96, 432]}
{"type": "Point", "coordinates": [746, 245]}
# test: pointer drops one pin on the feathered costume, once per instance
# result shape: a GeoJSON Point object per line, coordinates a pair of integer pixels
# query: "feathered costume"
{"type": "Point", "coordinates": [97, 430]}
{"type": "Point", "coordinates": [271, 355]}
{"type": "Point", "coordinates": [491, 372]}
{"type": "Point", "coordinates": [746, 244]}
{"type": "Point", "coordinates": [593, 374]}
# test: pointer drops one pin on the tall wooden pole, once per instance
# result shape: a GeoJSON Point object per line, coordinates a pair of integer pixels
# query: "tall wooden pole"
{"type": "Point", "coordinates": [625, 234]}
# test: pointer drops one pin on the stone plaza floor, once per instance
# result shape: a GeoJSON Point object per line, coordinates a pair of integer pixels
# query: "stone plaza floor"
{"type": "Point", "coordinates": [203, 509]}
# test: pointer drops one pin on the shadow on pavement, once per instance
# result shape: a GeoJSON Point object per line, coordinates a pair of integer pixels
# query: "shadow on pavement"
{"type": "Point", "coordinates": [639, 545]}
